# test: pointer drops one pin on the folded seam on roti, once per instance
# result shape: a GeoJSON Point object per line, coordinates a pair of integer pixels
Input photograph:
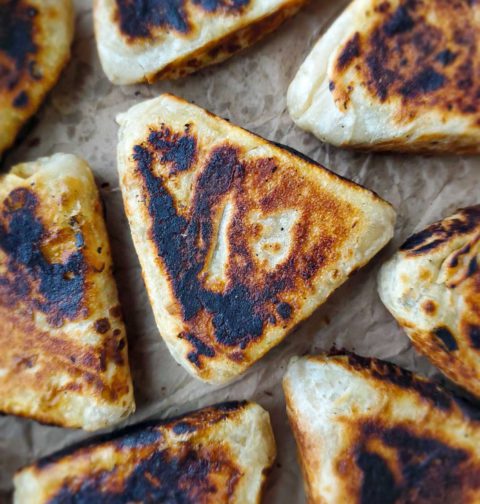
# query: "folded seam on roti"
{"type": "Point", "coordinates": [370, 432]}
{"type": "Point", "coordinates": [142, 40]}
{"type": "Point", "coordinates": [398, 75]}
{"type": "Point", "coordinates": [432, 288]}
{"type": "Point", "coordinates": [216, 455]}
{"type": "Point", "coordinates": [239, 239]}
{"type": "Point", "coordinates": [35, 39]}
{"type": "Point", "coordinates": [64, 350]}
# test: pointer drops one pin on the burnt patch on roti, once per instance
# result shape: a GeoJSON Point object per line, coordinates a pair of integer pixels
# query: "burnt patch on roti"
{"type": "Point", "coordinates": [349, 52]}
{"type": "Point", "coordinates": [249, 301]}
{"type": "Point", "coordinates": [426, 241]}
{"type": "Point", "coordinates": [284, 310]}
{"type": "Point", "coordinates": [186, 476]}
{"type": "Point", "coordinates": [176, 150]}
{"type": "Point", "coordinates": [29, 279]}
{"type": "Point", "coordinates": [148, 434]}
{"type": "Point", "coordinates": [234, 316]}
{"type": "Point", "coordinates": [140, 18]}
{"type": "Point", "coordinates": [400, 465]}
{"type": "Point", "coordinates": [183, 428]}
{"type": "Point", "coordinates": [426, 61]}
{"type": "Point", "coordinates": [199, 348]}
{"type": "Point", "coordinates": [474, 336]}
{"type": "Point", "coordinates": [102, 326]}
{"type": "Point", "coordinates": [402, 378]}
{"type": "Point", "coordinates": [17, 41]}
{"type": "Point", "coordinates": [446, 338]}
{"type": "Point", "coordinates": [21, 100]}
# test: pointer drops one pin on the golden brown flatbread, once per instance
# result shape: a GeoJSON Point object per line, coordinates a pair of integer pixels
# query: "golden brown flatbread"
{"type": "Point", "coordinates": [239, 239]}
{"type": "Point", "coordinates": [144, 40]}
{"type": "Point", "coordinates": [370, 432]}
{"type": "Point", "coordinates": [217, 455]}
{"type": "Point", "coordinates": [395, 75]}
{"type": "Point", "coordinates": [35, 39]}
{"type": "Point", "coordinates": [64, 350]}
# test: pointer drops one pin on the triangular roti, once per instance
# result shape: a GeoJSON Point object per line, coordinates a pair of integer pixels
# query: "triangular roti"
{"type": "Point", "coordinates": [370, 432]}
{"type": "Point", "coordinates": [217, 455]}
{"type": "Point", "coordinates": [64, 350]}
{"type": "Point", "coordinates": [35, 39]}
{"type": "Point", "coordinates": [239, 239]}
{"type": "Point", "coordinates": [432, 288]}
{"type": "Point", "coordinates": [398, 75]}
{"type": "Point", "coordinates": [165, 39]}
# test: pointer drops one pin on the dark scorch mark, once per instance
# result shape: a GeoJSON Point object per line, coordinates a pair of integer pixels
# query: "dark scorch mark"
{"type": "Point", "coordinates": [184, 478]}
{"type": "Point", "coordinates": [55, 289]}
{"type": "Point", "coordinates": [447, 338]}
{"type": "Point", "coordinates": [16, 40]}
{"type": "Point", "coordinates": [139, 17]}
{"type": "Point", "coordinates": [238, 314]}
{"type": "Point", "coordinates": [430, 470]}
{"type": "Point", "coordinates": [350, 52]}
{"type": "Point", "coordinates": [177, 150]}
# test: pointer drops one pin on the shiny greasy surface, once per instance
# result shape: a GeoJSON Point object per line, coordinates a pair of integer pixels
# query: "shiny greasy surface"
{"type": "Point", "coordinates": [62, 332]}
{"type": "Point", "coordinates": [34, 46]}
{"type": "Point", "coordinates": [419, 53]}
{"type": "Point", "coordinates": [192, 459]}
{"type": "Point", "coordinates": [437, 298]}
{"type": "Point", "coordinates": [383, 435]}
{"type": "Point", "coordinates": [241, 230]}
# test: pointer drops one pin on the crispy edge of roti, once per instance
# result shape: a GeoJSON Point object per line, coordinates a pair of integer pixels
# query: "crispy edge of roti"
{"type": "Point", "coordinates": [238, 434]}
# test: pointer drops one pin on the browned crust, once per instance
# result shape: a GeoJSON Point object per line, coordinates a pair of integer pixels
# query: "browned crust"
{"type": "Point", "coordinates": [232, 320]}
{"type": "Point", "coordinates": [464, 222]}
{"type": "Point", "coordinates": [387, 461]}
{"type": "Point", "coordinates": [148, 467]}
{"type": "Point", "coordinates": [221, 49]}
{"type": "Point", "coordinates": [380, 459]}
{"type": "Point", "coordinates": [53, 271]}
{"type": "Point", "coordinates": [139, 19]}
{"type": "Point", "coordinates": [24, 79]}
{"type": "Point", "coordinates": [455, 349]}
{"type": "Point", "coordinates": [418, 65]}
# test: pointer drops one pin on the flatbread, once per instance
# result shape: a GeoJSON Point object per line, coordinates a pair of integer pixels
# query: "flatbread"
{"type": "Point", "coordinates": [64, 351]}
{"type": "Point", "coordinates": [216, 455]}
{"type": "Point", "coordinates": [370, 432]}
{"type": "Point", "coordinates": [142, 40]}
{"type": "Point", "coordinates": [35, 39]}
{"type": "Point", "coordinates": [401, 75]}
{"type": "Point", "coordinates": [432, 288]}
{"type": "Point", "coordinates": [239, 239]}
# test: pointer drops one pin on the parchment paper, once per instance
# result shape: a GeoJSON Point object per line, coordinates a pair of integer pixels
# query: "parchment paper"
{"type": "Point", "coordinates": [250, 90]}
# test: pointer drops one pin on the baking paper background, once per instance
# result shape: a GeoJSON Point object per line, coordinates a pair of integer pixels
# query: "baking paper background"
{"type": "Point", "coordinates": [250, 90]}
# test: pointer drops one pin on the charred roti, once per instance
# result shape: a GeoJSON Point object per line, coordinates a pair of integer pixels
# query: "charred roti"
{"type": "Point", "coordinates": [35, 39]}
{"type": "Point", "coordinates": [239, 239]}
{"type": "Point", "coordinates": [216, 455]}
{"type": "Point", "coordinates": [432, 288]}
{"type": "Point", "coordinates": [369, 432]}
{"type": "Point", "coordinates": [64, 350]}
{"type": "Point", "coordinates": [399, 75]}
{"type": "Point", "coordinates": [162, 39]}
